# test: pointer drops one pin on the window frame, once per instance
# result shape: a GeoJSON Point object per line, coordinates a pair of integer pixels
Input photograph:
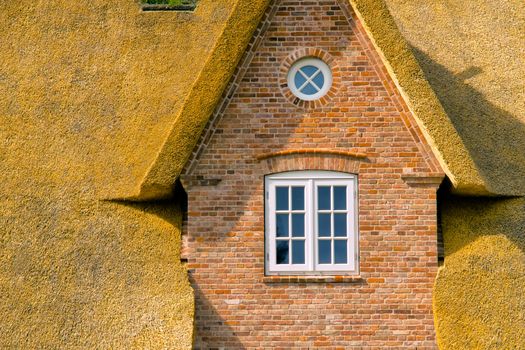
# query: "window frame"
{"type": "Point", "coordinates": [323, 67]}
{"type": "Point", "coordinates": [311, 180]}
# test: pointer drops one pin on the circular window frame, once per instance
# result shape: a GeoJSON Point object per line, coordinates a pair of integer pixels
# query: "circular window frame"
{"type": "Point", "coordinates": [303, 54]}
{"type": "Point", "coordinates": [322, 67]}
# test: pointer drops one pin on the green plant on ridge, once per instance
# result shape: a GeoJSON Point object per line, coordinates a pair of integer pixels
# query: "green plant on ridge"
{"type": "Point", "coordinates": [171, 2]}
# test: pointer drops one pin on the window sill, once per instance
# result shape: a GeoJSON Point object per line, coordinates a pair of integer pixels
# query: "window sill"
{"type": "Point", "coordinates": [313, 279]}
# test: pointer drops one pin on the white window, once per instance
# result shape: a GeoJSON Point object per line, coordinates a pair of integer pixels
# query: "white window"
{"type": "Point", "coordinates": [311, 223]}
{"type": "Point", "coordinates": [309, 78]}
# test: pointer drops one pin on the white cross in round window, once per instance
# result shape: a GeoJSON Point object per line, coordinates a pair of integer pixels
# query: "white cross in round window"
{"type": "Point", "coordinates": [309, 79]}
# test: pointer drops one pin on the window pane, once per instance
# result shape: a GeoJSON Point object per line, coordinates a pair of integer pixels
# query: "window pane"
{"type": "Point", "coordinates": [319, 80]}
{"type": "Point", "coordinates": [309, 70]}
{"type": "Point", "coordinates": [323, 198]}
{"type": "Point", "coordinates": [297, 252]}
{"type": "Point", "coordinates": [282, 225]}
{"type": "Point", "coordinates": [340, 225]}
{"type": "Point", "coordinates": [340, 252]}
{"type": "Point", "coordinates": [281, 194]}
{"type": "Point", "coordinates": [282, 252]}
{"type": "Point", "coordinates": [340, 197]}
{"type": "Point", "coordinates": [324, 228]}
{"type": "Point", "coordinates": [299, 80]}
{"type": "Point", "coordinates": [297, 198]}
{"type": "Point", "coordinates": [298, 225]}
{"type": "Point", "coordinates": [325, 252]}
{"type": "Point", "coordinates": [309, 89]}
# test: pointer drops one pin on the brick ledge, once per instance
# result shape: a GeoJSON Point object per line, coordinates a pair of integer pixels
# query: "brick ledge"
{"type": "Point", "coordinates": [432, 178]}
{"type": "Point", "coordinates": [314, 151]}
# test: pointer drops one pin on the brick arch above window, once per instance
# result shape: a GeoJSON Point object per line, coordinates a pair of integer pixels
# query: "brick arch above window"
{"type": "Point", "coordinates": [305, 53]}
{"type": "Point", "coordinates": [315, 159]}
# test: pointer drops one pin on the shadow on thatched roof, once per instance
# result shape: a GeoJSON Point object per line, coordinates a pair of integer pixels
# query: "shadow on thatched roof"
{"type": "Point", "coordinates": [473, 55]}
{"type": "Point", "coordinates": [494, 138]}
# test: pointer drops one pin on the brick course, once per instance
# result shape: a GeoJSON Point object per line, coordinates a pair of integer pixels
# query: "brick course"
{"type": "Point", "coordinates": [363, 128]}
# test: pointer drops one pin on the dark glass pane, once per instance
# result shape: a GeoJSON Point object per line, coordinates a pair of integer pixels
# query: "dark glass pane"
{"type": "Point", "coordinates": [323, 198]}
{"type": "Point", "coordinates": [281, 196]}
{"type": "Point", "coordinates": [282, 252]}
{"type": "Point", "coordinates": [319, 80]}
{"type": "Point", "coordinates": [325, 252]}
{"type": "Point", "coordinates": [282, 225]}
{"type": "Point", "coordinates": [299, 80]}
{"type": "Point", "coordinates": [309, 89]}
{"type": "Point", "coordinates": [309, 70]}
{"type": "Point", "coordinates": [340, 197]}
{"type": "Point", "coordinates": [297, 198]}
{"type": "Point", "coordinates": [297, 252]}
{"type": "Point", "coordinates": [340, 225]}
{"type": "Point", "coordinates": [325, 228]}
{"type": "Point", "coordinates": [340, 252]}
{"type": "Point", "coordinates": [298, 225]}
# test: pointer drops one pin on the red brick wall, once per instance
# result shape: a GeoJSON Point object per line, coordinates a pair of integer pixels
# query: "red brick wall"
{"type": "Point", "coordinates": [390, 305]}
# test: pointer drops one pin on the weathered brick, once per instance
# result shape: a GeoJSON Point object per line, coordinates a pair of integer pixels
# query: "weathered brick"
{"type": "Point", "coordinates": [362, 126]}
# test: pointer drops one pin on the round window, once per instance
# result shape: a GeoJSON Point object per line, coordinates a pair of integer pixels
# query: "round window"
{"type": "Point", "coordinates": [309, 79]}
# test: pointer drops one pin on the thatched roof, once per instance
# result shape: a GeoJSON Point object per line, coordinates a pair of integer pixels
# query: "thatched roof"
{"type": "Point", "coordinates": [473, 55]}
{"type": "Point", "coordinates": [201, 97]}
{"type": "Point", "coordinates": [458, 67]}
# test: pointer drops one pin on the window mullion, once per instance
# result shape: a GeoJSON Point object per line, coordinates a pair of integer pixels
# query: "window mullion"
{"type": "Point", "coordinates": [289, 213]}
{"type": "Point", "coordinates": [332, 226]}
{"type": "Point", "coordinates": [311, 230]}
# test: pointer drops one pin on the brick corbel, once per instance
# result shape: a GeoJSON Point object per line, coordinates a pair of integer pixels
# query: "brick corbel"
{"type": "Point", "coordinates": [431, 179]}
{"type": "Point", "coordinates": [189, 181]}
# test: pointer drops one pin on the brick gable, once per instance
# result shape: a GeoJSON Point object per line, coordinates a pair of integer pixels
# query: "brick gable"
{"type": "Point", "coordinates": [363, 128]}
